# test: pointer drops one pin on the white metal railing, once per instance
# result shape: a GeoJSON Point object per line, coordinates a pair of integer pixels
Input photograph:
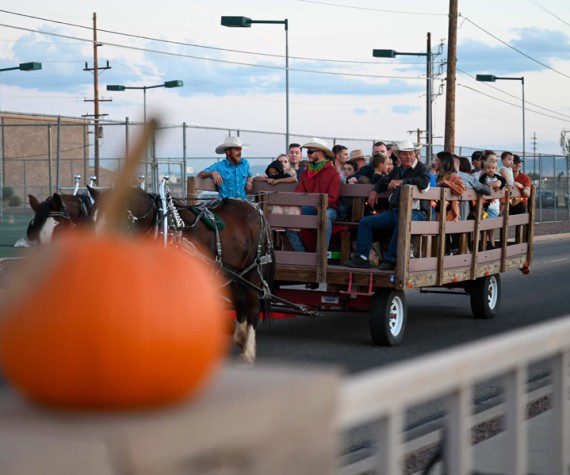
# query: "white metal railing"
{"type": "Point", "coordinates": [383, 395]}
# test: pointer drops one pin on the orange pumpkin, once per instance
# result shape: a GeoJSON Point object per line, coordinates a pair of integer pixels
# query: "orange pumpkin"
{"type": "Point", "coordinates": [111, 322]}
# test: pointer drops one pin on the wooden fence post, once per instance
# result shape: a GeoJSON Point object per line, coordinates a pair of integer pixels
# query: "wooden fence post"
{"type": "Point", "coordinates": [530, 233]}
{"type": "Point", "coordinates": [476, 235]}
{"type": "Point", "coordinates": [191, 190]}
{"type": "Point", "coordinates": [441, 239]}
{"type": "Point", "coordinates": [322, 238]}
{"type": "Point", "coordinates": [404, 236]}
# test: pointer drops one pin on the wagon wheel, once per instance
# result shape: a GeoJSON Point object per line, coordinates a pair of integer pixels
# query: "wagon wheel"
{"type": "Point", "coordinates": [388, 315]}
{"type": "Point", "coordinates": [485, 294]}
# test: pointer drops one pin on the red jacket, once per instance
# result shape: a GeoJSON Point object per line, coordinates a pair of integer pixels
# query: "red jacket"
{"type": "Point", "coordinates": [327, 180]}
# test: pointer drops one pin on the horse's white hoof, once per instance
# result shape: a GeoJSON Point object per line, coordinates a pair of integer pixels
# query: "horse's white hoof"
{"type": "Point", "coordinates": [246, 358]}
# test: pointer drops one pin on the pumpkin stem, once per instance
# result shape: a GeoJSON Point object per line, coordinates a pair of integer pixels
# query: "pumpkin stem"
{"type": "Point", "coordinates": [113, 208]}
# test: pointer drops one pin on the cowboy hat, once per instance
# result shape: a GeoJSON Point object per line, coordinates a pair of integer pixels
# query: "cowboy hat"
{"type": "Point", "coordinates": [357, 154]}
{"type": "Point", "coordinates": [319, 144]}
{"type": "Point", "coordinates": [230, 142]}
{"type": "Point", "coordinates": [405, 146]}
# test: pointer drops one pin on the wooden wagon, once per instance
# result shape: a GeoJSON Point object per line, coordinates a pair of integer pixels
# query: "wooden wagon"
{"type": "Point", "coordinates": [424, 261]}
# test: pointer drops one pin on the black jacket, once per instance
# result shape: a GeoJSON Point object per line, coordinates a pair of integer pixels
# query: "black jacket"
{"type": "Point", "coordinates": [418, 176]}
{"type": "Point", "coordinates": [366, 170]}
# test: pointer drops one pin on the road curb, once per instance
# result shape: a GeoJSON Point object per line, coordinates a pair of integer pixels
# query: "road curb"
{"type": "Point", "coordinates": [552, 237]}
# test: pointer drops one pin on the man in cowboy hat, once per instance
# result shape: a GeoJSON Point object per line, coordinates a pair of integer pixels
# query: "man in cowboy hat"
{"type": "Point", "coordinates": [321, 176]}
{"type": "Point", "coordinates": [410, 172]}
{"type": "Point", "coordinates": [232, 175]}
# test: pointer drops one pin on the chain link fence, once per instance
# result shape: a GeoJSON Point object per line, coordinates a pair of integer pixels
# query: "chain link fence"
{"type": "Point", "coordinates": [40, 155]}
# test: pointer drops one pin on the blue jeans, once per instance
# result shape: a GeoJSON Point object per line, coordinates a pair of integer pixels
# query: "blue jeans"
{"type": "Point", "coordinates": [385, 221]}
{"type": "Point", "coordinates": [295, 237]}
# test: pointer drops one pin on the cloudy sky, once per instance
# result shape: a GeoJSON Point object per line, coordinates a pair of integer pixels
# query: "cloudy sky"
{"type": "Point", "coordinates": [371, 98]}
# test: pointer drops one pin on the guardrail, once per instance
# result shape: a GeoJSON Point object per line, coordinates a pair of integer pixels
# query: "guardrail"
{"type": "Point", "coordinates": [383, 395]}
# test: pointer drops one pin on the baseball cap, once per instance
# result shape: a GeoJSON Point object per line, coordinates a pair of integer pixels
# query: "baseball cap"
{"type": "Point", "coordinates": [517, 159]}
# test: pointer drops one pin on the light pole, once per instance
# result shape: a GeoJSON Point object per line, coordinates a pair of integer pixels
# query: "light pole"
{"type": "Point", "coordinates": [167, 84]}
{"type": "Point", "coordinates": [390, 53]}
{"type": "Point", "coordinates": [20, 67]}
{"type": "Point", "coordinates": [491, 78]}
{"type": "Point", "coordinates": [244, 22]}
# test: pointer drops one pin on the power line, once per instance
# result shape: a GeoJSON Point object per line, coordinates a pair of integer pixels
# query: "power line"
{"type": "Point", "coordinates": [550, 12]}
{"type": "Point", "coordinates": [216, 60]}
{"type": "Point", "coordinates": [401, 12]}
{"type": "Point", "coordinates": [195, 45]}
{"type": "Point", "coordinates": [511, 103]}
{"type": "Point", "coordinates": [516, 49]}
{"type": "Point", "coordinates": [514, 96]}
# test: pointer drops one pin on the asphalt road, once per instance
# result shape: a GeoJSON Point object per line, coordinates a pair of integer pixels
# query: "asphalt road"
{"type": "Point", "coordinates": [434, 321]}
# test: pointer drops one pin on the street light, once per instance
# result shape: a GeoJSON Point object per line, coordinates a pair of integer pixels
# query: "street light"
{"type": "Point", "coordinates": [24, 67]}
{"type": "Point", "coordinates": [390, 53]}
{"type": "Point", "coordinates": [167, 84]}
{"type": "Point", "coordinates": [244, 22]}
{"type": "Point", "coordinates": [492, 78]}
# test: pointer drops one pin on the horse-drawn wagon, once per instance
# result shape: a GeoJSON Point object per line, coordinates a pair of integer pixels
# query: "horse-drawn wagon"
{"type": "Point", "coordinates": [424, 258]}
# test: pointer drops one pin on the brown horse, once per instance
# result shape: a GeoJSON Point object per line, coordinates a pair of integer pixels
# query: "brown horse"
{"type": "Point", "coordinates": [243, 231]}
{"type": "Point", "coordinates": [55, 214]}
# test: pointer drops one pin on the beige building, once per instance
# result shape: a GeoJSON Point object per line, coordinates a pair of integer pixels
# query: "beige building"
{"type": "Point", "coordinates": [29, 151]}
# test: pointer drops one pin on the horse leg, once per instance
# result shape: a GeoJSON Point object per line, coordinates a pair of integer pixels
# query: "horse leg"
{"type": "Point", "coordinates": [252, 308]}
{"type": "Point", "coordinates": [240, 333]}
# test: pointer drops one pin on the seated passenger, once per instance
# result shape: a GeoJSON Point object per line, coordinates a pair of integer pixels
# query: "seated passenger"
{"type": "Point", "coordinates": [321, 176]}
{"type": "Point", "coordinates": [382, 165]}
{"type": "Point", "coordinates": [275, 173]}
{"type": "Point", "coordinates": [357, 156]}
{"type": "Point", "coordinates": [349, 169]}
{"type": "Point", "coordinates": [450, 179]}
{"type": "Point", "coordinates": [232, 175]}
{"type": "Point", "coordinates": [490, 177]}
{"type": "Point", "coordinates": [411, 172]}
{"type": "Point", "coordinates": [463, 169]}
{"type": "Point", "coordinates": [523, 183]}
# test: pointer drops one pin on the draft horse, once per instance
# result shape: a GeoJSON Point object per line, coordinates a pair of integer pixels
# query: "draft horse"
{"type": "Point", "coordinates": [56, 214]}
{"type": "Point", "coordinates": [241, 247]}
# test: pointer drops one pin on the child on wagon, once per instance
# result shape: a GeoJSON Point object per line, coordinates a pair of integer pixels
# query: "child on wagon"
{"type": "Point", "coordinates": [449, 179]}
{"type": "Point", "coordinates": [490, 177]}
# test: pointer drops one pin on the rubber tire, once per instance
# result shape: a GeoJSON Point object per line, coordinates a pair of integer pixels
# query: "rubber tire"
{"type": "Point", "coordinates": [478, 296]}
{"type": "Point", "coordinates": [380, 317]}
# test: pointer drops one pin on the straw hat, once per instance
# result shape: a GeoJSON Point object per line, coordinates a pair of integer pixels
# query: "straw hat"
{"type": "Point", "coordinates": [357, 154]}
{"type": "Point", "coordinates": [319, 144]}
{"type": "Point", "coordinates": [230, 142]}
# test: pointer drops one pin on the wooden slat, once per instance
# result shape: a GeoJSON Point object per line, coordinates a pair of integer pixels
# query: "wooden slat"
{"type": "Point", "coordinates": [424, 264]}
{"type": "Point", "coordinates": [476, 235]}
{"type": "Point", "coordinates": [531, 214]}
{"type": "Point", "coordinates": [460, 260]}
{"type": "Point", "coordinates": [505, 230]}
{"type": "Point", "coordinates": [296, 258]}
{"type": "Point", "coordinates": [517, 219]}
{"type": "Point", "coordinates": [261, 186]}
{"type": "Point", "coordinates": [357, 191]}
{"type": "Point", "coordinates": [431, 194]}
{"type": "Point", "coordinates": [322, 238]}
{"type": "Point", "coordinates": [491, 223]}
{"type": "Point", "coordinates": [404, 236]}
{"type": "Point", "coordinates": [205, 184]}
{"type": "Point", "coordinates": [292, 199]}
{"type": "Point", "coordinates": [441, 237]}
{"type": "Point", "coordinates": [292, 221]}
{"type": "Point", "coordinates": [489, 256]}
{"type": "Point", "coordinates": [424, 227]}
{"type": "Point", "coordinates": [453, 227]}
{"type": "Point", "coordinates": [517, 249]}
{"type": "Point", "coordinates": [389, 452]}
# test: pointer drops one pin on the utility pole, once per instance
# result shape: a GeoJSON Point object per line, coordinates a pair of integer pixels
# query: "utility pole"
{"type": "Point", "coordinates": [534, 152]}
{"type": "Point", "coordinates": [429, 99]}
{"type": "Point", "coordinates": [96, 115]}
{"type": "Point", "coordinates": [450, 82]}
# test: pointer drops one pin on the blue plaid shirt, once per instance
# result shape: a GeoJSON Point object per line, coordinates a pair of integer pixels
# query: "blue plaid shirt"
{"type": "Point", "coordinates": [234, 176]}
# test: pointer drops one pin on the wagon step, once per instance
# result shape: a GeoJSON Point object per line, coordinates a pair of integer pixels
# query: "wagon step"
{"type": "Point", "coordinates": [349, 291]}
